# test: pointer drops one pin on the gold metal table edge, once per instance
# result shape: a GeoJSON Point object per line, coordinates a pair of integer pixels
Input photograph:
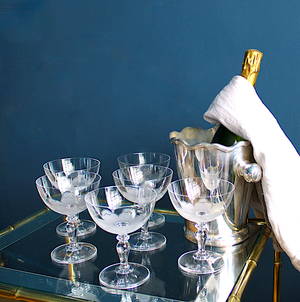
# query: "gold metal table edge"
{"type": "Point", "coordinates": [165, 211]}
{"type": "Point", "coordinates": [30, 295]}
{"type": "Point", "coordinates": [250, 264]}
{"type": "Point", "coordinates": [24, 221]}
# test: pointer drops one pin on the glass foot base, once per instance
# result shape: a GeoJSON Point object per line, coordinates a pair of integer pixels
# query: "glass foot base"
{"type": "Point", "coordinates": [64, 255]}
{"type": "Point", "coordinates": [138, 274]}
{"type": "Point", "coordinates": [86, 227]}
{"type": "Point", "coordinates": [155, 220]}
{"type": "Point", "coordinates": [212, 263]}
{"type": "Point", "coordinates": [154, 242]}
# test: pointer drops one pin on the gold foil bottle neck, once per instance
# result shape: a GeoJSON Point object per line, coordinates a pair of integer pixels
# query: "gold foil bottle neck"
{"type": "Point", "coordinates": [251, 65]}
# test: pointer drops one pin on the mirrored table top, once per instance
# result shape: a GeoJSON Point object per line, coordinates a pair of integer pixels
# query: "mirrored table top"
{"type": "Point", "coordinates": [27, 269]}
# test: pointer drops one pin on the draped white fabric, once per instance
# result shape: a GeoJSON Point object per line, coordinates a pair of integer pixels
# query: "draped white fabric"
{"type": "Point", "coordinates": [239, 109]}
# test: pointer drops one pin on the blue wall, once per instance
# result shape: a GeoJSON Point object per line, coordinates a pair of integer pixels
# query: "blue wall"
{"type": "Point", "coordinates": [104, 78]}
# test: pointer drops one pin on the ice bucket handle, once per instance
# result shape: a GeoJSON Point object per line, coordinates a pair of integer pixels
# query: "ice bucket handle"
{"type": "Point", "coordinates": [251, 172]}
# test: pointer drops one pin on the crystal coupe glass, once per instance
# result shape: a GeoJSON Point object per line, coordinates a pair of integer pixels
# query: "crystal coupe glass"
{"type": "Point", "coordinates": [67, 166]}
{"type": "Point", "coordinates": [68, 199]}
{"type": "Point", "coordinates": [146, 176]}
{"type": "Point", "coordinates": [142, 158]}
{"type": "Point", "coordinates": [116, 214]}
{"type": "Point", "coordinates": [195, 202]}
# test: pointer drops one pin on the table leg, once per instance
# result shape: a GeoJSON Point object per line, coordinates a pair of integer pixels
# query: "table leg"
{"type": "Point", "coordinates": [277, 276]}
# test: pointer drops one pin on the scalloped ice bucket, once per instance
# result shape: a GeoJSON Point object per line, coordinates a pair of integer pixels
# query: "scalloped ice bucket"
{"type": "Point", "coordinates": [191, 146]}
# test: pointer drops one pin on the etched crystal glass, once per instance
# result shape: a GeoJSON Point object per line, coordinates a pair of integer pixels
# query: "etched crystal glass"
{"type": "Point", "coordinates": [68, 166]}
{"type": "Point", "coordinates": [67, 198]}
{"type": "Point", "coordinates": [145, 176]}
{"type": "Point", "coordinates": [116, 214]}
{"type": "Point", "coordinates": [142, 158]}
{"type": "Point", "coordinates": [194, 201]}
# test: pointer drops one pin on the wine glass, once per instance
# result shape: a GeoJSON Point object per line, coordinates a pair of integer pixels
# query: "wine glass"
{"type": "Point", "coordinates": [146, 176]}
{"type": "Point", "coordinates": [115, 213]}
{"type": "Point", "coordinates": [69, 165]}
{"type": "Point", "coordinates": [141, 158]}
{"type": "Point", "coordinates": [68, 199]}
{"type": "Point", "coordinates": [194, 201]}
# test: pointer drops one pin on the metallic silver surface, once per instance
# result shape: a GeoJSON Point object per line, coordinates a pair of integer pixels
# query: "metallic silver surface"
{"type": "Point", "coordinates": [191, 145]}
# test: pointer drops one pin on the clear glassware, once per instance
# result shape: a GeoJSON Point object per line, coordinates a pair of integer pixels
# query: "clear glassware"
{"type": "Point", "coordinates": [142, 158]}
{"type": "Point", "coordinates": [67, 166]}
{"type": "Point", "coordinates": [67, 198]}
{"type": "Point", "coordinates": [211, 167]}
{"type": "Point", "coordinates": [194, 202]}
{"type": "Point", "coordinates": [146, 176]}
{"type": "Point", "coordinates": [116, 214]}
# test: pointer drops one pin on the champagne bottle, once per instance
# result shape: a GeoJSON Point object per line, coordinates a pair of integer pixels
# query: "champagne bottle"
{"type": "Point", "coordinates": [250, 70]}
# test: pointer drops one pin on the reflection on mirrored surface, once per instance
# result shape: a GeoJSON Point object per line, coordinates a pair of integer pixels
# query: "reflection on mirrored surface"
{"type": "Point", "coordinates": [234, 258]}
{"type": "Point", "coordinates": [130, 296]}
{"type": "Point", "coordinates": [80, 278]}
{"type": "Point", "coordinates": [32, 268]}
{"type": "Point", "coordinates": [200, 288]}
{"type": "Point", "coordinates": [152, 260]}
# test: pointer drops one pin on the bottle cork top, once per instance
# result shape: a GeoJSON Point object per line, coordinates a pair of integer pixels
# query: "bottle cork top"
{"type": "Point", "coordinates": [251, 65]}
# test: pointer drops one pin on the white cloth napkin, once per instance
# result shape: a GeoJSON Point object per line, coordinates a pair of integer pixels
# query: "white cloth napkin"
{"type": "Point", "coordinates": [239, 109]}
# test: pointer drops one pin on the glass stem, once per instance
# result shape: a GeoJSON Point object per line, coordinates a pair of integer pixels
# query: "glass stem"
{"type": "Point", "coordinates": [200, 235]}
{"type": "Point", "coordinates": [79, 222]}
{"type": "Point", "coordinates": [145, 231]}
{"type": "Point", "coordinates": [71, 227]}
{"type": "Point", "coordinates": [123, 248]}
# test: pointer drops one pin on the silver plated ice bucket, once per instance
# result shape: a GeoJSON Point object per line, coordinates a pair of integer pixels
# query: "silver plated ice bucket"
{"type": "Point", "coordinates": [191, 145]}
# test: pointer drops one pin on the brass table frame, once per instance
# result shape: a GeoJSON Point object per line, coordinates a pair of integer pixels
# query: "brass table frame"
{"type": "Point", "coordinates": [30, 295]}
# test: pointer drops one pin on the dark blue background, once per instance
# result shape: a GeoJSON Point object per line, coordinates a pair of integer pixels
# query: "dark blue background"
{"type": "Point", "coordinates": [105, 78]}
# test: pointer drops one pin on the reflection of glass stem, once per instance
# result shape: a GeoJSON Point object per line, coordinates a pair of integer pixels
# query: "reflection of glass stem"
{"type": "Point", "coordinates": [79, 289]}
{"type": "Point", "coordinates": [146, 260]}
{"type": "Point", "coordinates": [200, 235]}
{"type": "Point", "coordinates": [201, 289]}
{"type": "Point", "coordinates": [126, 298]}
{"type": "Point", "coordinates": [123, 248]}
{"type": "Point", "coordinates": [71, 227]}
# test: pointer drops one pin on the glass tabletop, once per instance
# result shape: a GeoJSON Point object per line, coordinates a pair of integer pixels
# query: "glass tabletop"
{"type": "Point", "coordinates": [27, 269]}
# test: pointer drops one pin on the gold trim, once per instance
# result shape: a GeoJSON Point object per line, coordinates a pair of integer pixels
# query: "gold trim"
{"type": "Point", "coordinates": [169, 212]}
{"type": "Point", "coordinates": [257, 221]}
{"type": "Point", "coordinates": [24, 221]}
{"type": "Point", "coordinates": [277, 276]}
{"type": "Point", "coordinates": [249, 267]}
{"type": "Point", "coordinates": [30, 295]}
